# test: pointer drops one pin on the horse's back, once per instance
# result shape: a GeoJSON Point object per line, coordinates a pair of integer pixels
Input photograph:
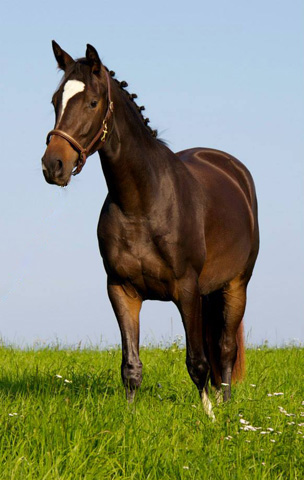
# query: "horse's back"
{"type": "Point", "coordinates": [229, 215]}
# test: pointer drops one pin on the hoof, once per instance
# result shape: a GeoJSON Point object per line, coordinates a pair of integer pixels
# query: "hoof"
{"type": "Point", "coordinates": [207, 405]}
{"type": "Point", "coordinates": [130, 396]}
{"type": "Point", "coordinates": [219, 396]}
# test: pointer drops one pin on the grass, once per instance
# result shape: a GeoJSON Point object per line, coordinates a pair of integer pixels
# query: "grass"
{"type": "Point", "coordinates": [53, 429]}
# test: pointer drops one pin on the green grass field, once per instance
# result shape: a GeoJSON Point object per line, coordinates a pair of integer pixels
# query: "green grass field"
{"type": "Point", "coordinates": [64, 416]}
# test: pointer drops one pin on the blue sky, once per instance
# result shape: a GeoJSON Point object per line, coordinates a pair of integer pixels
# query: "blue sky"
{"type": "Point", "coordinates": [227, 75]}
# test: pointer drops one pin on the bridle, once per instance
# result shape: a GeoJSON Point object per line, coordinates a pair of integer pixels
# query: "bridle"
{"type": "Point", "coordinates": [101, 135]}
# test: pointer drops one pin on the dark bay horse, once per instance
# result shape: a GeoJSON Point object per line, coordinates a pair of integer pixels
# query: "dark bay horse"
{"type": "Point", "coordinates": [178, 227]}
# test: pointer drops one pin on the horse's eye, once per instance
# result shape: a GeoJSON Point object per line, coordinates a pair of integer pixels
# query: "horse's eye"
{"type": "Point", "coordinates": [94, 104]}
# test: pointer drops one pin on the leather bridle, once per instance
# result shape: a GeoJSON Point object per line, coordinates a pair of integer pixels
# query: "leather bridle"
{"type": "Point", "coordinates": [101, 135]}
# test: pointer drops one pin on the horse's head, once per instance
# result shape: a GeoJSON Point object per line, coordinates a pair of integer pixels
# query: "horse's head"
{"type": "Point", "coordinates": [83, 107]}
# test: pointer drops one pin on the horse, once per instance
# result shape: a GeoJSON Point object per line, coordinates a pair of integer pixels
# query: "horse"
{"type": "Point", "coordinates": [178, 227]}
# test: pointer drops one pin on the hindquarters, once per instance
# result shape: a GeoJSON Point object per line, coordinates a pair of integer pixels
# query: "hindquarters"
{"type": "Point", "coordinates": [228, 216]}
{"type": "Point", "coordinates": [231, 238]}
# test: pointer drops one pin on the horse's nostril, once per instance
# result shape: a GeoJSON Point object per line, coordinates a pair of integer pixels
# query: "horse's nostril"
{"type": "Point", "coordinates": [59, 165]}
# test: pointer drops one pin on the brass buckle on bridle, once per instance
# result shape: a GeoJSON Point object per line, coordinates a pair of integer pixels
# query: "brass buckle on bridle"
{"type": "Point", "coordinates": [105, 132]}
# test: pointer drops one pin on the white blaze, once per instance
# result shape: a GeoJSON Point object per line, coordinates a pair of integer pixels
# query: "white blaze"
{"type": "Point", "coordinates": [70, 89]}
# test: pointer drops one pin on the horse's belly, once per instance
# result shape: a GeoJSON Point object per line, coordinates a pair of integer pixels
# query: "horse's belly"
{"type": "Point", "coordinates": [222, 266]}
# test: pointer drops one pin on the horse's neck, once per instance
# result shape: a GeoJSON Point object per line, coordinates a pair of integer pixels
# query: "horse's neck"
{"type": "Point", "coordinates": [133, 163]}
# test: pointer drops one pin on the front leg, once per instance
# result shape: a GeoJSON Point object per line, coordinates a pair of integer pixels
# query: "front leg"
{"type": "Point", "coordinates": [126, 305]}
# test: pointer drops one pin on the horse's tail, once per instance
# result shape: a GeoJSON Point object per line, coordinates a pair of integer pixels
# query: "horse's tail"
{"type": "Point", "coordinates": [238, 372]}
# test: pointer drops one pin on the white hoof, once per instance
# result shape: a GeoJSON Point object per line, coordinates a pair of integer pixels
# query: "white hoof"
{"type": "Point", "coordinates": [219, 397]}
{"type": "Point", "coordinates": [207, 406]}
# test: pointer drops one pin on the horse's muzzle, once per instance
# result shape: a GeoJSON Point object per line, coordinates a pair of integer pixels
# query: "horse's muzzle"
{"type": "Point", "coordinates": [53, 172]}
{"type": "Point", "coordinates": [58, 162]}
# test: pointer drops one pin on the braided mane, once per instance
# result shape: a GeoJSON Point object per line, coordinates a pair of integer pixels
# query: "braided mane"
{"type": "Point", "coordinates": [132, 96]}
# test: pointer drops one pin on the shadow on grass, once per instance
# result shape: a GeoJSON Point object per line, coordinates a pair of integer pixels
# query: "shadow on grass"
{"type": "Point", "coordinates": [29, 385]}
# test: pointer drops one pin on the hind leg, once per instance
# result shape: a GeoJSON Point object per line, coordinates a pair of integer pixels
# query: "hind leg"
{"type": "Point", "coordinates": [189, 305]}
{"type": "Point", "coordinates": [234, 302]}
{"type": "Point", "coordinates": [213, 322]}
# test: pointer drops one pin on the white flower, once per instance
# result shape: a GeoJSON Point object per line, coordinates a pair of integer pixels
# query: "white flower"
{"type": "Point", "coordinates": [252, 385]}
{"type": "Point", "coordinates": [67, 381]}
{"type": "Point", "coordinates": [269, 394]}
{"type": "Point", "coordinates": [244, 421]}
{"type": "Point", "coordinates": [12, 414]}
{"type": "Point", "coordinates": [272, 440]}
{"type": "Point", "coordinates": [270, 429]}
{"type": "Point", "coordinates": [185, 467]}
{"type": "Point", "coordinates": [251, 428]}
{"type": "Point", "coordinates": [225, 384]}
{"type": "Point", "coordinates": [58, 376]}
{"type": "Point", "coordinates": [277, 394]}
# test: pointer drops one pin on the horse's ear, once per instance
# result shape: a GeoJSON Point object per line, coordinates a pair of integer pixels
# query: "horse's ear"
{"type": "Point", "coordinates": [93, 59]}
{"type": "Point", "coordinates": [63, 58]}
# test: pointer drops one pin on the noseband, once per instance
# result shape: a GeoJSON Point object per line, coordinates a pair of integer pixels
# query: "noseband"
{"type": "Point", "coordinates": [101, 135]}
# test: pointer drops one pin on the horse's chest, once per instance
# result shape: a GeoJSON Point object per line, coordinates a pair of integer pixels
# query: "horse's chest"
{"type": "Point", "coordinates": [131, 255]}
